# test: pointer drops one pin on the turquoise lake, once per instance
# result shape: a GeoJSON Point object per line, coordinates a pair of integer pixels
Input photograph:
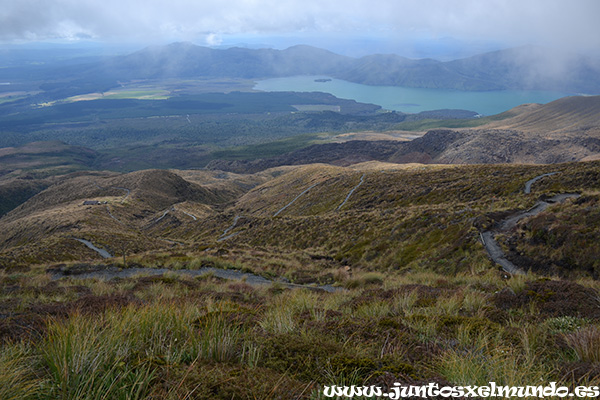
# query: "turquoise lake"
{"type": "Point", "coordinates": [412, 100]}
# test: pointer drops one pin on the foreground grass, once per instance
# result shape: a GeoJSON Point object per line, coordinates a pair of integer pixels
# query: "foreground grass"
{"type": "Point", "coordinates": [419, 301]}
{"type": "Point", "coordinates": [204, 338]}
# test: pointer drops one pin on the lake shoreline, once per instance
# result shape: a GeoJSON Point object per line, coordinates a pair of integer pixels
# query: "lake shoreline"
{"type": "Point", "coordinates": [411, 100]}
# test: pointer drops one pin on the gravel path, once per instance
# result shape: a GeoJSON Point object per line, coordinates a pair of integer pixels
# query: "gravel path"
{"type": "Point", "coordinates": [295, 198]}
{"type": "Point", "coordinates": [496, 253]}
{"type": "Point", "coordinates": [164, 214]}
{"type": "Point", "coordinates": [488, 238]}
{"type": "Point", "coordinates": [530, 182]}
{"type": "Point", "coordinates": [111, 272]}
{"type": "Point", "coordinates": [235, 221]}
{"type": "Point", "coordinates": [362, 179]}
{"type": "Point", "coordinates": [102, 252]}
{"type": "Point", "coordinates": [112, 216]}
{"type": "Point", "coordinates": [188, 214]}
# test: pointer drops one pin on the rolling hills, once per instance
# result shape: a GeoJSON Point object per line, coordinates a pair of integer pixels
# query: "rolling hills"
{"type": "Point", "coordinates": [130, 270]}
{"type": "Point", "coordinates": [28, 169]}
{"type": "Point", "coordinates": [307, 266]}
{"type": "Point", "coordinates": [364, 203]}
{"type": "Point", "coordinates": [562, 131]}
{"type": "Point", "coordinates": [373, 216]}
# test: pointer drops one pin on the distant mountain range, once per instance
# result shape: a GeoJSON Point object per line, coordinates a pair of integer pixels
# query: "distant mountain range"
{"type": "Point", "coordinates": [527, 68]}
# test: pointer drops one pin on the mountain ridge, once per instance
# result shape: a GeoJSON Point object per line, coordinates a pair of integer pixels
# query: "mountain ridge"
{"type": "Point", "coordinates": [523, 68]}
{"type": "Point", "coordinates": [515, 68]}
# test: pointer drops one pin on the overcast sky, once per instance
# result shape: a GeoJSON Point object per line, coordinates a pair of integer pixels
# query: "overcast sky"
{"type": "Point", "coordinates": [570, 24]}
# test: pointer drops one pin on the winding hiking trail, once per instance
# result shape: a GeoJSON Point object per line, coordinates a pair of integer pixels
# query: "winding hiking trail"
{"type": "Point", "coordinates": [295, 198]}
{"type": "Point", "coordinates": [122, 200]}
{"type": "Point", "coordinates": [102, 252]}
{"type": "Point", "coordinates": [488, 238]}
{"type": "Point", "coordinates": [110, 272]}
{"type": "Point", "coordinates": [112, 216]}
{"type": "Point", "coordinates": [172, 208]}
{"type": "Point", "coordinates": [187, 213]}
{"type": "Point", "coordinates": [115, 187]}
{"type": "Point", "coordinates": [225, 235]}
{"type": "Point", "coordinates": [530, 182]}
{"type": "Point", "coordinates": [125, 189]}
{"type": "Point", "coordinates": [362, 179]}
{"type": "Point", "coordinates": [235, 221]}
{"type": "Point", "coordinates": [222, 238]}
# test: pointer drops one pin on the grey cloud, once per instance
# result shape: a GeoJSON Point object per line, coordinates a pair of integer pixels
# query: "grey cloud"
{"type": "Point", "coordinates": [568, 23]}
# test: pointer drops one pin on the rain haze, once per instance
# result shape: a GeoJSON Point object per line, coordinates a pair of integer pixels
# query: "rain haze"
{"type": "Point", "coordinates": [428, 28]}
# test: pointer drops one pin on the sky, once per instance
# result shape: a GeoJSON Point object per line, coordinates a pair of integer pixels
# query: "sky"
{"type": "Point", "coordinates": [350, 26]}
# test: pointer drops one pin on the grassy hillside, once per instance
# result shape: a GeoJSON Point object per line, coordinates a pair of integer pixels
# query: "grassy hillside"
{"type": "Point", "coordinates": [305, 263]}
{"type": "Point", "coordinates": [421, 217]}
{"type": "Point", "coordinates": [14, 192]}
{"type": "Point", "coordinates": [29, 169]}
{"type": "Point", "coordinates": [372, 216]}
{"type": "Point", "coordinates": [414, 298]}
{"type": "Point", "coordinates": [191, 336]}
{"type": "Point", "coordinates": [568, 114]}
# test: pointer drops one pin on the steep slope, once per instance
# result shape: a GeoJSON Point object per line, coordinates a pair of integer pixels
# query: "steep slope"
{"type": "Point", "coordinates": [564, 130]}
{"type": "Point", "coordinates": [492, 146]}
{"type": "Point", "coordinates": [15, 191]}
{"type": "Point", "coordinates": [568, 114]}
